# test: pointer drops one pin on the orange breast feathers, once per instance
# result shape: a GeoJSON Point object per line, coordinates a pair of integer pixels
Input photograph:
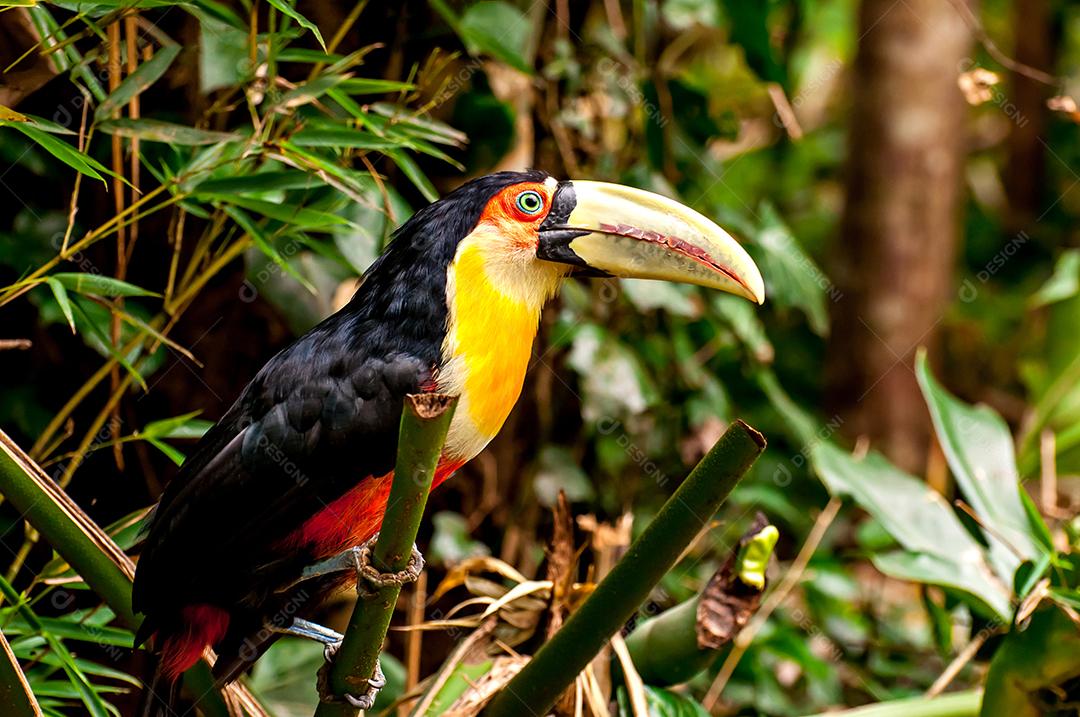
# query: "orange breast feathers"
{"type": "Point", "coordinates": [496, 288]}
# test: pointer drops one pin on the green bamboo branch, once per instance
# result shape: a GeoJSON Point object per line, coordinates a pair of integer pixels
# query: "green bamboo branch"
{"type": "Point", "coordinates": [679, 643]}
{"type": "Point", "coordinates": [555, 666]}
{"type": "Point", "coordinates": [64, 526]}
{"type": "Point", "coordinates": [954, 704]}
{"type": "Point", "coordinates": [424, 424]}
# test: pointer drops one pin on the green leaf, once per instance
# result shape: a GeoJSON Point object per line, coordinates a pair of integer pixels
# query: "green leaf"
{"type": "Point", "coordinates": [168, 132]}
{"type": "Point", "coordinates": [343, 138]}
{"type": "Point", "coordinates": [939, 549]}
{"type": "Point", "coordinates": [223, 55]}
{"type": "Point", "coordinates": [105, 343]}
{"type": "Point", "coordinates": [287, 8]}
{"type": "Point", "coordinates": [80, 162]}
{"type": "Point", "coordinates": [60, 293]}
{"type": "Point", "coordinates": [312, 219]}
{"type": "Point", "coordinates": [98, 285]}
{"type": "Point", "coordinates": [167, 427]}
{"type": "Point", "coordinates": [792, 277]}
{"type": "Point", "coordinates": [369, 86]}
{"type": "Point", "coordinates": [1063, 284]}
{"type": "Point", "coordinates": [979, 450]}
{"type": "Point", "coordinates": [171, 453]}
{"type": "Point", "coordinates": [266, 246]}
{"type": "Point", "coordinates": [662, 703]}
{"type": "Point", "coordinates": [134, 84]}
{"type": "Point", "coordinates": [260, 183]}
{"type": "Point", "coordinates": [308, 92]}
{"type": "Point", "coordinates": [411, 169]}
{"type": "Point", "coordinates": [497, 29]}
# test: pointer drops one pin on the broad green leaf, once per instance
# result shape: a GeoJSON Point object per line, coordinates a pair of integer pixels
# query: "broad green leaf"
{"type": "Point", "coordinates": [979, 450]}
{"type": "Point", "coordinates": [99, 285]}
{"type": "Point", "coordinates": [918, 518]}
{"type": "Point", "coordinates": [134, 84]}
{"type": "Point", "coordinates": [498, 29]}
{"type": "Point", "coordinates": [286, 7]}
{"type": "Point", "coordinates": [1042, 656]}
{"type": "Point", "coordinates": [168, 132]}
{"type": "Point", "coordinates": [60, 293]}
{"type": "Point", "coordinates": [930, 569]}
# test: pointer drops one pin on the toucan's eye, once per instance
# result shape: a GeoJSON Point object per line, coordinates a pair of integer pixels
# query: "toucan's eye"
{"type": "Point", "coordinates": [530, 202]}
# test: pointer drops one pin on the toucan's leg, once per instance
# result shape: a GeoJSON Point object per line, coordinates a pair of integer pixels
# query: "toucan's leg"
{"type": "Point", "coordinates": [312, 631]}
{"type": "Point", "coordinates": [368, 579]}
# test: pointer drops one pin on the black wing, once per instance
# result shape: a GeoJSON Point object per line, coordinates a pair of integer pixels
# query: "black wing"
{"type": "Point", "coordinates": [319, 417]}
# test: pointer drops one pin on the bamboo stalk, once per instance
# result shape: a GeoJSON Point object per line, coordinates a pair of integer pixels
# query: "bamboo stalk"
{"type": "Point", "coordinates": [554, 667]}
{"type": "Point", "coordinates": [64, 526]}
{"type": "Point", "coordinates": [424, 424]}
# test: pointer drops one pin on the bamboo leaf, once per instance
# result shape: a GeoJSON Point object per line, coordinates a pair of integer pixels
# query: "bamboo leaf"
{"type": "Point", "coordinates": [266, 246]}
{"type": "Point", "coordinates": [109, 346]}
{"type": "Point", "coordinates": [60, 293]}
{"type": "Point", "coordinates": [134, 84]}
{"type": "Point", "coordinates": [343, 138]}
{"type": "Point", "coordinates": [286, 7]}
{"type": "Point", "coordinates": [168, 132]}
{"type": "Point", "coordinates": [99, 285]}
{"type": "Point", "coordinates": [80, 162]}
{"type": "Point", "coordinates": [82, 689]}
{"type": "Point", "coordinates": [312, 219]}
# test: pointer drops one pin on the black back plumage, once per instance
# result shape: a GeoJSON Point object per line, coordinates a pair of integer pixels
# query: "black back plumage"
{"type": "Point", "coordinates": [318, 418]}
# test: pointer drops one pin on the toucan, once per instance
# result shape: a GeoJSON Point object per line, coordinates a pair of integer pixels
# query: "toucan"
{"type": "Point", "coordinates": [297, 471]}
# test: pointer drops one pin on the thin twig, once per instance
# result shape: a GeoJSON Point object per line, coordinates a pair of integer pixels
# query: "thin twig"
{"type": "Point", "coordinates": [965, 656]}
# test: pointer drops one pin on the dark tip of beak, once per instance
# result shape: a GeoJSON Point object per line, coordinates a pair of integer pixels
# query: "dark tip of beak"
{"type": "Point", "coordinates": [555, 235]}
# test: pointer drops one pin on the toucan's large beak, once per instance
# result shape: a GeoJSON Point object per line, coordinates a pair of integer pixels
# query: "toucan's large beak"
{"type": "Point", "coordinates": [628, 232]}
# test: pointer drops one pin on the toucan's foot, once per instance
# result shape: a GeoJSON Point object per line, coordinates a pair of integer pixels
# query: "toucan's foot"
{"type": "Point", "coordinates": [361, 702]}
{"type": "Point", "coordinates": [368, 577]}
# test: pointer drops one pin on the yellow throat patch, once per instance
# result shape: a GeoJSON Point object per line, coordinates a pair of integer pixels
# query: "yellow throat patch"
{"type": "Point", "coordinates": [494, 311]}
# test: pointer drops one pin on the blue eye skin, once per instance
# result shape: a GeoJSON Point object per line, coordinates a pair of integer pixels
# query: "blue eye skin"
{"type": "Point", "coordinates": [530, 202]}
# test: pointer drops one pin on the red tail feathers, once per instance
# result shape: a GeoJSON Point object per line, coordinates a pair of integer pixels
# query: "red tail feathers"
{"type": "Point", "coordinates": [203, 625]}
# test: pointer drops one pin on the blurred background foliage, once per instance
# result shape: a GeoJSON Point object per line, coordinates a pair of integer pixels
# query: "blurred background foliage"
{"type": "Point", "coordinates": [188, 186]}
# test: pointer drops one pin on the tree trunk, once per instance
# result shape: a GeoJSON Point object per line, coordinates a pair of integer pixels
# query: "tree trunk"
{"type": "Point", "coordinates": [901, 224]}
